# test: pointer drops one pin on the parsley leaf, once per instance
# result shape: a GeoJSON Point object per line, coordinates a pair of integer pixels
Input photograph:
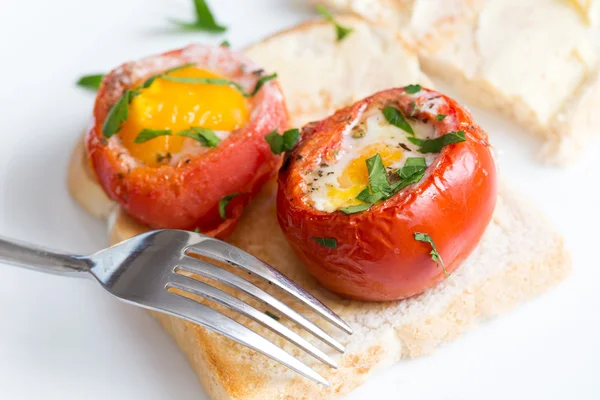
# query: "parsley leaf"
{"type": "Point", "coordinates": [260, 83]}
{"type": "Point", "coordinates": [412, 172]}
{"type": "Point", "coordinates": [149, 134]}
{"type": "Point", "coordinates": [330, 243]}
{"type": "Point", "coordinates": [222, 82]}
{"type": "Point", "coordinates": [91, 82]}
{"type": "Point", "coordinates": [204, 20]}
{"type": "Point", "coordinates": [412, 166]}
{"type": "Point", "coordinates": [225, 43]}
{"type": "Point", "coordinates": [356, 209]}
{"type": "Point", "coordinates": [205, 136]}
{"type": "Point", "coordinates": [224, 202]}
{"type": "Point", "coordinates": [377, 175]}
{"type": "Point", "coordinates": [151, 80]}
{"type": "Point", "coordinates": [340, 31]}
{"type": "Point", "coordinates": [118, 113]}
{"type": "Point", "coordinates": [435, 256]}
{"type": "Point", "coordinates": [280, 143]}
{"type": "Point", "coordinates": [395, 117]}
{"type": "Point", "coordinates": [379, 187]}
{"type": "Point", "coordinates": [436, 145]}
{"type": "Point", "coordinates": [412, 89]}
{"type": "Point", "coordinates": [440, 117]}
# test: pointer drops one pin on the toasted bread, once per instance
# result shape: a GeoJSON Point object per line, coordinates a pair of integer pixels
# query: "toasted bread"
{"type": "Point", "coordinates": [519, 256]}
{"type": "Point", "coordinates": [536, 61]}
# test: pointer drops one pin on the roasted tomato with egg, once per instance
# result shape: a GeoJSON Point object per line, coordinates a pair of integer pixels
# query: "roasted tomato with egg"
{"type": "Point", "coordinates": [387, 197]}
{"type": "Point", "coordinates": [178, 136]}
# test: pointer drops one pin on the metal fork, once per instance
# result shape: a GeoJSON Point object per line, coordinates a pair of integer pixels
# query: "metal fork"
{"type": "Point", "coordinates": [141, 270]}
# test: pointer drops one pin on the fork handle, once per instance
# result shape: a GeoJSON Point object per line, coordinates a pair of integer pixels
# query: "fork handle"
{"type": "Point", "coordinates": [28, 256]}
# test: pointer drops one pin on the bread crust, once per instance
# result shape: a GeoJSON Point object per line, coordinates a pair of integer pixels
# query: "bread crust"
{"type": "Point", "coordinates": [519, 256]}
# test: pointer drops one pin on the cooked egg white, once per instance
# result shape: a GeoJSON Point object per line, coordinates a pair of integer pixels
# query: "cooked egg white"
{"type": "Point", "coordinates": [336, 185]}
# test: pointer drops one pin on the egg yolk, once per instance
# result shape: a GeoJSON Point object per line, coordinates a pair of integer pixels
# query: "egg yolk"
{"type": "Point", "coordinates": [178, 106]}
{"type": "Point", "coordinates": [355, 176]}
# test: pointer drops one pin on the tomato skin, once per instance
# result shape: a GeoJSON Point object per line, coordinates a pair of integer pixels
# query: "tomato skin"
{"type": "Point", "coordinates": [186, 195]}
{"type": "Point", "coordinates": [377, 257]}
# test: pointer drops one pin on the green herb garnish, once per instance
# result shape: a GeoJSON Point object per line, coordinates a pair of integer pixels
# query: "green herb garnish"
{"type": "Point", "coordinates": [225, 43]}
{"type": "Point", "coordinates": [205, 136]}
{"type": "Point", "coordinates": [377, 175]}
{"type": "Point", "coordinates": [440, 117]}
{"type": "Point", "coordinates": [222, 82]}
{"type": "Point", "coordinates": [412, 166]}
{"type": "Point", "coordinates": [340, 31]}
{"type": "Point", "coordinates": [280, 143]}
{"type": "Point", "coordinates": [118, 113]}
{"type": "Point", "coordinates": [326, 242]}
{"type": "Point", "coordinates": [270, 314]}
{"type": "Point", "coordinates": [395, 117]}
{"type": "Point", "coordinates": [412, 89]}
{"type": "Point", "coordinates": [380, 188]}
{"type": "Point", "coordinates": [355, 209]}
{"type": "Point", "coordinates": [204, 20]}
{"type": "Point", "coordinates": [436, 145]}
{"type": "Point", "coordinates": [149, 134]}
{"type": "Point", "coordinates": [224, 202]}
{"type": "Point", "coordinates": [435, 256]}
{"type": "Point", "coordinates": [260, 83]}
{"type": "Point", "coordinates": [91, 82]}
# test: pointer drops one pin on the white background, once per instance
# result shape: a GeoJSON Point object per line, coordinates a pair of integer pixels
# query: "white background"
{"type": "Point", "coordinates": [66, 339]}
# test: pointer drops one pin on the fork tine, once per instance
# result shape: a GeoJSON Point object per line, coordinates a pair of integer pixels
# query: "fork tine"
{"type": "Point", "coordinates": [211, 271]}
{"type": "Point", "coordinates": [222, 251]}
{"type": "Point", "coordinates": [190, 310]}
{"type": "Point", "coordinates": [202, 289]}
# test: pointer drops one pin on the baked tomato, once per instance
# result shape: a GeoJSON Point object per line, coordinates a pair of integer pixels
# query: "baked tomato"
{"type": "Point", "coordinates": [387, 197]}
{"type": "Point", "coordinates": [176, 134]}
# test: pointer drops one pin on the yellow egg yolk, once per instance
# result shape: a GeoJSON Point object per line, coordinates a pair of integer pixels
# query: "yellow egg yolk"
{"type": "Point", "coordinates": [355, 176]}
{"type": "Point", "coordinates": [178, 106]}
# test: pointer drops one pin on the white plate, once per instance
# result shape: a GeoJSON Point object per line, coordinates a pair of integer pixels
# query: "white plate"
{"type": "Point", "coordinates": [66, 339]}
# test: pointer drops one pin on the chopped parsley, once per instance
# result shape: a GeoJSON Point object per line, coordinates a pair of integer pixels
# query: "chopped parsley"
{"type": "Point", "coordinates": [412, 89]}
{"type": "Point", "coordinates": [222, 82]}
{"type": "Point", "coordinates": [204, 20]}
{"type": "Point", "coordinates": [149, 134]}
{"type": "Point", "coordinates": [205, 136]}
{"type": "Point", "coordinates": [340, 31]}
{"type": "Point", "coordinates": [91, 82]}
{"type": "Point", "coordinates": [224, 202]}
{"type": "Point", "coordinates": [395, 117]}
{"type": "Point", "coordinates": [118, 113]}
{"type": "Point", "coordinates": [440, 117]}
{"type": "Point", "coordinates": [380, 188]}
{"type": "Point", "coordinates": [356, 209]}
{"type": "Point", "coordinates": [330, 243]}
{"type": "Point", "coordinates": [281, 143]}
{"type": "Point", "coordinates": [437, 144]}
{"type": "Point", "coordinates": [435, 256]}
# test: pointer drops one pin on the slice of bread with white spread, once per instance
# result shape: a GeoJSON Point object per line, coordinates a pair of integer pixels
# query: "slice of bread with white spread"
{"type": "Point", "coordinates": [519, 256]}
{"type": "Point", "coordinates": [536, 61]}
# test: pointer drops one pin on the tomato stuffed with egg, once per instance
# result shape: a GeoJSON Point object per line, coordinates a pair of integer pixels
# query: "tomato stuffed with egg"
{"type": "Point", "coordinates": [387, 197]}
{"type": "Point", "coordinates": [178, 139]}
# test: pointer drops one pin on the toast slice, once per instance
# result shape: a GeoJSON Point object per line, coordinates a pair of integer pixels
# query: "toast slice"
{"type": "Point", "coordinates": [519, 257]}
{"type": "Point", "coordinates": [536, 61]}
